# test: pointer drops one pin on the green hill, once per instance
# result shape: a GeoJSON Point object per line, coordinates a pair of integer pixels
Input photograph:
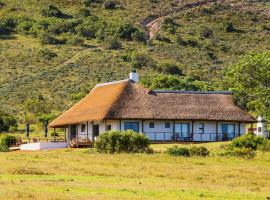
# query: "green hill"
{"type": "Point", "coordinates": [52, 52]}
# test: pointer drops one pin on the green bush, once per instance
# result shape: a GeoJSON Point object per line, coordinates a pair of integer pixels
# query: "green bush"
{"type": "Point", "coordinates": [247, 141]}
{"type": "Point", "coordinates": [169, 68]}
{"type": "Point", "coordinates": [51, 11]}
{"type": "Point", "coordinates": [110, 5]}
{"type": "Point", "coordinates": [83, 12]}
{"type": "Point", "coordinates": [178, 151]}
{"type": "Point", "coordinates": [47, 54]}
{"type": "Point", "coordinates": [199, 151]}
{"type": "Point", "coordinates": [141, 60]}
{"type": "Point", "coordinates": [47, 38]}
{"type": "Point", "coordinates": [25, 26]}
{"type": "Point", "coordinates": [7, 141]}
{"type": "Point", "coordinates": [126, 30]}
{"type": "Point", "coordinates": [247, 153]}
{"type": "Point", "coordinates": [112, 43]}
{"type": "Point", "coordinates": [6, 122]}
{"type": "Point", "coordinates": [125, 141]}
{"type": "Point", "coordinates": [206, 32]}
{"type": "Point", "coordinates": [265, 146]}
{"type": "Point", "coordinates": [139, 36]}
{"type": "Point", "coordinates": [90, 2]}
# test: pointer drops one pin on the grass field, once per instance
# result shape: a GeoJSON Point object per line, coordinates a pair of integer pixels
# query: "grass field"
{"type": "Point", "coordinates": [84, 174]}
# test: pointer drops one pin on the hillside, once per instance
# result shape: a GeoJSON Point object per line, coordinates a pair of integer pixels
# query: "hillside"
{"type": "Point", "coordinates": [57, 53]}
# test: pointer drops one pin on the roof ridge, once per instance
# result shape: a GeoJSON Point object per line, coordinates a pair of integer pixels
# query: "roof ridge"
{"type": "Point", "coordinates": [193, 92]}
{"type": "Point", "coordinates": [110, 83]}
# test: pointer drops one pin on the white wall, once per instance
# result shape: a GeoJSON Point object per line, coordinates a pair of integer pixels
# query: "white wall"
{"type": "Point", "coordinates": [159, 132]}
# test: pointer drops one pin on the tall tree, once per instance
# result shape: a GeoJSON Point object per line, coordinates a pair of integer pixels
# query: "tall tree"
{"type": "Point", "coordinates": [250, 80]}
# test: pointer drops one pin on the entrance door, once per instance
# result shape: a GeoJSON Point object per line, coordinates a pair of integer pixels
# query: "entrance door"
{"type": "Point", "coordinates": [182, 131]}
{"type": "Point", "coordinates": [228, 131]}
{"type": "Point", "coordinates": [73, 132]}
{"type": "Point", "coordinates": [96, 130]}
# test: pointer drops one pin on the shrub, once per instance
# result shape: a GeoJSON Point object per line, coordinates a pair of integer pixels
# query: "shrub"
{"type": "Point", "coordinates": [74, 40]}
{"type": "Point", "coordinates": [141, 60]}
{"type": "Point", "coordinates": [240, 152]}
{"type": "Point", "coordinates": [228, 27]}
{"type": "Point", "coordinates": [125, 141]}
{"type": "Point", "coordinates": [87, 28]}
{"type": "Point", "coordinates": [90, 2]}
{"type": "Point", "coordinates": [198, 151]}
{"type": "Point", "coordinates": [126, 30]}
{"type": "Point", "coordinates": [6, 142]}
{"type": "Point", "coordinates": [206, 32]}
{"type": "Point", "coordinates": [139, 36]}
{"type": "Point", "coordinates": [47, 54]}
{"type": "Point", "coordinates": [52, 11]}
{"type": "Point", "coordinates": [47, 38]}
{"type": "Point", "coordinates": [169, 68]}
{"type": "Point", "coordinates": [63, 26]}
{"type": "Point", "coordinates": [169, 25]}
{"type": "Point", "coordinates": [6, 122]}
{"type": "Point", "coordinates": [247, 141]}
{"type": "Point", "coordinates": [265, 146]}
{"type": "Point", "coordinates": [178, 151]}
{"type": "Point", "coordinates": [110, 5]}
{"type": "Point", "coordinates": [83, 12]}
{"type": "Point", "coordinates": [112, 43]}
{"type": "Point", "coordinates": [25, 26]}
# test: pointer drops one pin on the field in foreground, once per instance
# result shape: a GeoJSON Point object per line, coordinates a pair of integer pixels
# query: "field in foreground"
{"type": "Point", "coordinates": [81, 174]}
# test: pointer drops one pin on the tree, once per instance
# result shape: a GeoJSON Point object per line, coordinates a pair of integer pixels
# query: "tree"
{"type": "Point", "coordinates": [250, 80]}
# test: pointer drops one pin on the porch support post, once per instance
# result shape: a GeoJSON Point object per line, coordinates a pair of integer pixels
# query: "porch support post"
{"type": "Point", "coordinates": [54, 137]}
{"type": "Point", "coordinates": [142, 126]}
{"type": "Point", "coordinates": [174, 135]}
{"type": "Point", "coordinates": [87, 130]}
{"type": "Point", "coordinates": [120, 125]}
{"type": "Point", "coordinates": [192, 130]}
{"type": "Point", "coordinates": [239, 129]}
{"type": "Point", "coordinates": [65, 134]}
{"type": "Point", "coordinates": [92, 122]}
{"type": "Point", "coordinates": [217, 137]}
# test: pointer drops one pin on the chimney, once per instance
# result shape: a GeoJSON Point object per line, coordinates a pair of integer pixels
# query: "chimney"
{"type": "Point", "coordinates": [134, 76]}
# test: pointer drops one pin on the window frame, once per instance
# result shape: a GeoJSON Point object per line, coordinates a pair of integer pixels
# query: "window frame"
{"type": "Point", "coordinates": [151, 125]}
{"type": "Point", "coordinates": [130, 126]}
{"type": "Point", "coordinates": [83, 128]}
{"type": "Point", "coordinates": [108, 127]}
{"type": "Point", "coordinates": [201, 129]}
{"type": "Point", "coordinates": [167, 123]}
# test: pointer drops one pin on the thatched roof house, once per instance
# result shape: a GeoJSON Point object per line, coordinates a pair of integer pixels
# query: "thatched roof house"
{"type": "Point", "coordinates": [128, 100]}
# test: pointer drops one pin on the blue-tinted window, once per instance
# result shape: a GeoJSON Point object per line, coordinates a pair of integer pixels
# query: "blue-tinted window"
{"type": "Point", "coordinates": [151, 125]}
{"type": "Point", "coordinates": [132, 126]}
{"type": "Point", "coordinates": [167, 125]}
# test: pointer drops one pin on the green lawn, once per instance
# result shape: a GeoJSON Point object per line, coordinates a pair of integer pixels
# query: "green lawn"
{"type": "Point", "coordinates": [82, 174]}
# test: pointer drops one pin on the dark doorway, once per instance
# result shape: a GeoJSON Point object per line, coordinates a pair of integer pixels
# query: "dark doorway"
{"type": "Point", "coordinates": [96, 130]}
{"type": "Point", "coordinates": [73, 132]}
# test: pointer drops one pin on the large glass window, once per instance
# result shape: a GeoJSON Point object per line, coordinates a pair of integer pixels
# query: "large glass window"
{"type": "Point", "coordinates": [167, 125]}
{"type": "Point", "coordinates": [132, 126]}
{"type": "Point", "coordinates": [228, 131]}
{"type": "Point", "coordinates": [83, 128]}
{"type": "Point", "coordinates": [182, 130]}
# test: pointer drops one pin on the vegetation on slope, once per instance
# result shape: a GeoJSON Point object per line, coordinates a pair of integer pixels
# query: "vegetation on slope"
{"type": "Point", "coordinates": [53, 52]}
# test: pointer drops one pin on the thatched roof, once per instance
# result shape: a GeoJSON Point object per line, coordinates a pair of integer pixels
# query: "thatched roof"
{"type": "Point", "coordinates": [129, 100]}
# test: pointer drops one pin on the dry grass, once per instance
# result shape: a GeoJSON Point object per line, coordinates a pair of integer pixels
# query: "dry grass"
{"type": "Point", "coordinates": [81, 174]}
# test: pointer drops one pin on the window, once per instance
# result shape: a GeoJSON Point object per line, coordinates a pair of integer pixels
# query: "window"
{"type": "Point", "coordinates": [201, 128]}
{"type": "Point", "coordinates": [228, 131]}
{"type": "Point", "coordinates": [108, 127]}
{"type": "Point", "coordinates": [151, 125]}
{"type": "Point", "coordinates": [131, 126]}
{"type": "Point", "coordinates": [167, 125]}
{"type": "Point", "coordinates": [260, 129]}
{"type": "Point", "coordinates": [83, 128]}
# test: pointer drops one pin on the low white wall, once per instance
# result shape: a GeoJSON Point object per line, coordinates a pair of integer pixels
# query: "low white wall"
{"type": "Point", "coordinates": [42, 146]}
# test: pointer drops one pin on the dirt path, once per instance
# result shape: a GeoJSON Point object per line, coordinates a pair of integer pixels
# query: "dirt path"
{"type": "Point", "coordinates": [154, 25]}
